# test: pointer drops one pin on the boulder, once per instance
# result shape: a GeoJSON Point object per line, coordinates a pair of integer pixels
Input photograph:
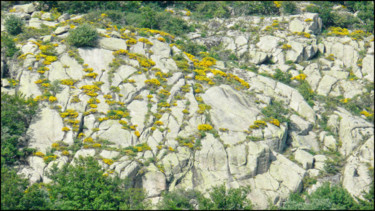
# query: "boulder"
{"type": "Point", "coordinates": [268, 43]}
{"type": "Point", "coordinates": [112, 44]}
{"type": "Point", "coordinates": [287, 173]}
{"type": "Point", "coordinates": [25, 8]}
{"type": "Point", "coordinates": [305, 158]}
{"type": "Point", "coordinates": [229, 108]}
{"type": "Point", "coordinates": [325, 85]}
{"type": "Point", "coordinates": [153, 182]}
{"type": "Point", "coordinates": [368, 67]}
{"type": "Point", "coordinates": [61, 30]}
{"type": "Point", "coordinates": [298, 124]}
{"type": "Point", "coordinates": [45, 129]}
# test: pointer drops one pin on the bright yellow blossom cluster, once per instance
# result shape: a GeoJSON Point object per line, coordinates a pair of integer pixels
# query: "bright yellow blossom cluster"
{"type": "Point", "coordinates": [299, 77]}
{"type": "Point", "coordinates": [204, 127]}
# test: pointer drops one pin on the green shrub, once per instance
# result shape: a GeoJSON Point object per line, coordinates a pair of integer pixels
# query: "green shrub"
{"type": "Point", "coordinates": [326, 197]}
{"type": "Point", "coordinates": [211, 9]}
{"type": "Point", "coordinates": [220, 199]}
{"type": "Point", "coordinates": [289, 7]}
{"type": "Point", "coordinates": [8, 43]}
{"type": "Point", "coordinates": [276, 110]}
{"type": "Point", "coordinates": [306, 92]}
{"type": "Point", "coordinates": [13, 25]}
{"type": "Point", "coordinates": [14, 107]}
{"type": "Point", "coordinates": [83, 36]}
{"type": "Point", "coordinates": [282, 77]}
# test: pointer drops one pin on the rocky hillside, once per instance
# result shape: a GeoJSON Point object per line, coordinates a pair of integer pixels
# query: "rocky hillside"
{"type": "Point", "coordinates": [288, 106]}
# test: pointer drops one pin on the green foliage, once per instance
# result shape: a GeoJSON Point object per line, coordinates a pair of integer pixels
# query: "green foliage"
{"type": "Point", "coordinates": [83, 36]}
{"type": "Point", "coordinates": [12, 187]}
{"type": "Point", "coordinates": [13, 24]}
{"type": "Point", "coordinates": [9, 45]}
{"type": "Point", "coordinates": [173, 25]}
{"type": "Point", "coordinates": [282, 77]}
{"type": "Point", "coordinates": [289, 7]}
{"type": "Point", "coordinates": [254, 8]}
{"type": "Point", "coordinates": [306, 92]}
{"type": "Point", "coordinates": [84, 186]}
{"type": "Point", "coordinates": [232, 199]}
{"type": "Point", "coordinates": [31, 32]}
{"type": "Point", "coordinates": [16, 114]}
{"type": "Point", "coordinates": [191, 47]}
{"type": "Point", "coordinates": [276, 110]}
{"type": "Point", "coordinates": [179, 199]}
{"type": "Point", "coordinates": [324, 198]}
{"type": "Point", "coordinates": [211, 9]}
{"type": "Point", "coordinates": [220, 198]}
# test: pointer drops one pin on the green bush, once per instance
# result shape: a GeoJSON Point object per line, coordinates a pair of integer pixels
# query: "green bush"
{"type": "Point", "coordinates": [326, 197]}
{"type": "Point", "coordinates": [83, 36]}
{"type": "Point", "coordinates": [84, 186]}
{"type": "Point", "coordinates": [276, 110]}
{"type": "Point", "coordinates": [9, 45]}
{"type": "Point", "coordinates": [219, 199]}
{"type": "Point", "coordinates": [289, 7]}
{"type": "Point", "coordinates": [281, 76]}
{"type": "Point", "coordinates": [306, 92]}
{"type": "Point", "coordinates": [14, 107]}
{"type": "Point", "coordinates": [13, 25]}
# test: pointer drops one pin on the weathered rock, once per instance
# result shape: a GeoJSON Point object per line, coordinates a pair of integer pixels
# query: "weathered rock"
{"type": "Point", "coordinates": [153, 182]}
{"type": "Point", "coordinates": [45, 129]}
{"type": "Point", "coordinates": [305, 158]}
{"type": "Point", "coordinates": [230, 109]}
{"type": "Point", "coordinates": [319, 162]}
{"type": "Point", "coordinates": [325, 85]}
{"type": "Point", "coordinates": [352, 131]}
{"type": "Point", "coordinates": [287, 172]}
{"type": "Point", "coordinates": [62, 29]}
{"type": "Point", "coordinates": [112, 44]}
{"type": "Point", "coordinates": [26, 8]}
{"type": "Point", "coordinates": [368, 67]}
{"type": "Point", "coordinates": [308, 142]}
{"type": "Point", "coordinates": [302, 126]}
{"type": "Point", "coordinates": [268, 43]}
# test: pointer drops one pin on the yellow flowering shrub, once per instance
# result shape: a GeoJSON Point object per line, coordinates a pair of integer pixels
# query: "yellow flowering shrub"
{"type": "Point", "coordinates": [39, 154]}
{"type": "Point", "coordinates": [275, 122]}
{"type": "Point", "coordinates": [204, 127]}
{"type": "Point", "coordinates": [152, 82]}
{"type": "Point", "coordinates": [159, 123]}
{"type": "Point", "coordinates": [171, 149]}
{"type": "Point", "coordinates": [88, 140]}
{"type": "Point", "coordinates": [367, 114]}
{"type": "Point", "coordinates": [131, 41]}
{"type": "Point", "coordinates": [260, 122]}
{"type": "Point", "coordinates": [299, 77]}
{"type": "Point", "coordinates": [69, 113]}
{"type": "Point", "coordinates": [137, 133]}
{"type": "Point", "coordinates": [286, 47]}
{"type": "Point", "coordinates": [65, 129]}
{"type": "Point", "coordinates": [345, 100]}
{"type": "Point", "coordinates": [120, 52]}
{"type": "Point", "coordinates": [65, 152]}
{"type": "Point", "coordinates": [96, 145]}
{"type": "Point", "coordinates": [52, 99]}
{"type": "Point", "coordinates": [185, 111]}
{"type": "Point", "coordinates": [108, 161]}
{"type": "Point", "coordinates": [68, 82]}
{"type": "Point", "coordinates": [308, 20]}
{"type": "Point", "coordinates": [161, 39]}
{"type": "Point", "coordinates": [278, 3]}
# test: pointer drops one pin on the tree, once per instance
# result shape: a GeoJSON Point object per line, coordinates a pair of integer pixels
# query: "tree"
{"type": "Point", "coordinates": [86, 186]}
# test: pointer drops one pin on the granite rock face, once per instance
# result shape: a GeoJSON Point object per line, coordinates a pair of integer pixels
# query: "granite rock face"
{"type": "Point", "coordinates": [168, 123]}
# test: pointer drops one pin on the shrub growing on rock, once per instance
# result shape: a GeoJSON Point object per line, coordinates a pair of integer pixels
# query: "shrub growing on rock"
{"type": "Point", "coordinates": [13, 25]}
{"type": "Point", "coordinates": [83, 36]}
